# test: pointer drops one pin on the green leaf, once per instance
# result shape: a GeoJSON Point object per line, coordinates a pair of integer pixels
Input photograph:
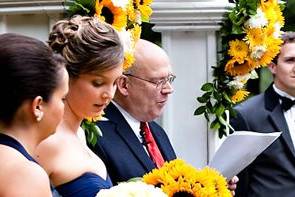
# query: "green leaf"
{"type": "Point", "coordinates": [92, 132]}
{"type": "Point", "coordinates": [134, 179]}
{"type": "Point", "coordinates": [219, 110]}
{"type": "Point", "coordinates": [200, 110]}
{"type": "Point", "coordinates": [226, 97]}
{"type": "Point", "coordinates": [207, 87]}
{"type": "Point", "coordinates": [82, 7]}
{"type": "Point", "coordinates": [215, 125]}
{"type": "Point", "coordinates": [204, 98]}
{"type": "Point", "coordinates": [209, 107]}
{"type": "Point", "coordinates": [201, 99]}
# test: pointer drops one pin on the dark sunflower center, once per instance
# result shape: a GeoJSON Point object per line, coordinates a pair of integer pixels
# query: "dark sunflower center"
{"type": "Point", "coordinates": [107, 13]}
{"type": "Point", "coordinates": [141, 2]}
{"type": "Point", "coordinates": [183, 194]}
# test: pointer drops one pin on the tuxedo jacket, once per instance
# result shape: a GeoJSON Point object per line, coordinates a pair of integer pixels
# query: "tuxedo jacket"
{"type": "Point", "coordinates": [272, 173]}
{"type": "Point", "coordinates": [121, 150]}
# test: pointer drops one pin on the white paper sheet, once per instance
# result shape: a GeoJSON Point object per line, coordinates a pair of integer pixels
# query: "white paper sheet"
{"type": "Point", "coordinates": [239, 150]}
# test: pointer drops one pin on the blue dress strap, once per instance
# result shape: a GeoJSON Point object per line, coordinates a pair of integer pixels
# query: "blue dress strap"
{"type": "Point", "coordinates": [13, 143]}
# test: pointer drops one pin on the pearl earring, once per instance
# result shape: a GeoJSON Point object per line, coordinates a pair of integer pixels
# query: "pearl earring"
{"type": "Point", "coordinates": [39, 116]}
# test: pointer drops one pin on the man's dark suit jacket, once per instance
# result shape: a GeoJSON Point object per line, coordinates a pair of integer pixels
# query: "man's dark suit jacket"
{"type": "Point", "coordinates": [122, 152]}
{"type": "Point", "coordinates": [272, 174]}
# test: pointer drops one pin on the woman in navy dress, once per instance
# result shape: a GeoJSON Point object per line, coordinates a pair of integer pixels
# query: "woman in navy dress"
{"type": "Point", "coordinates": [94, 57]}
{"type": "Point", "coordinates": [33, 84]}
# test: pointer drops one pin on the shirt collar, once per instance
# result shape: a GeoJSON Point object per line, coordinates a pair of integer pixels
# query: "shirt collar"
{"type": "Point", "coordinates": [133, 123]}
{"type": "Point", "coordinates": [282, 93]}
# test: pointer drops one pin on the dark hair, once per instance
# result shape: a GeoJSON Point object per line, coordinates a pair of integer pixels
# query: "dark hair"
{"type": "Point", "coordinates": [287, 37]}
{"type": "Point", "coordinates": [28, 68]}
{"type": "Point", "coordinates": [88, 45]}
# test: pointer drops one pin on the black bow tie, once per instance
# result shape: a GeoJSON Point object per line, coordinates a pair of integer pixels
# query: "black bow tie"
{"type": "Point", "coordinates": [286, 103]}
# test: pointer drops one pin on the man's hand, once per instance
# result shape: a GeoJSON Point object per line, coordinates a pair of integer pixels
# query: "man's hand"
{"type": "Point", "coordinates": [232, 184]}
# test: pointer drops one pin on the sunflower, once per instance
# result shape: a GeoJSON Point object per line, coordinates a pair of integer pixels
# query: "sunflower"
{"type": "Point", "coordinates": [96, 118]}
{"type": "Point", "coordinates": [144, 7]}
{"type": "Point", "coordinates": [234, 68]}
{"type": "Point", "coordinates": [116, 16]}
{"type": "Point", "coordinates": [136, 32]}
{"type": "Point", "coordinates": [177, 178]}
{"type": "Point", "coordinates": [239, 96]}
{"type": "Point", "coordinates": [255, 36]}
{"type": "Point", "coordinates": [274, 14]}
{"type": "Point", "coordinates": [238, 50]}
{"type": "Point", "coordinates": [273, 48]}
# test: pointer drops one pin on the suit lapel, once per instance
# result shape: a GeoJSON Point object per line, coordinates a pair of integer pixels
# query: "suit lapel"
{"type": "Point", "coordinates": [277, 117]}
{"type": "Point", "coordinates": [163, 146]}
{"type": "Point", "coordinates": [128, 136]}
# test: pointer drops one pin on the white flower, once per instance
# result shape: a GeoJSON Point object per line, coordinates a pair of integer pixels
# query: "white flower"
{"type": "Point", "coordinates": [120, 3]}
{"type": "Point", "coordinates": [257, 52]}
{"type": "Point", "coordinates": [138, 17]}
{"type": "Point", "coordinates": [127, 40]}
{"type": "Point", "coordinates": [277, 32]}
{"type": "Point", "coordinates": [240, 81]}
{"type": "Point", "coordinates": [257, 21]}
{"type": "Point", "coordinates": [132, 189]}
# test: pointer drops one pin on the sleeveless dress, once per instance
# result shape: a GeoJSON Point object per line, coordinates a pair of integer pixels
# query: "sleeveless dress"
{"type": "Point", "coordinates": [11, 142]}
{"type": "Point", "coordinates": [86, 185]}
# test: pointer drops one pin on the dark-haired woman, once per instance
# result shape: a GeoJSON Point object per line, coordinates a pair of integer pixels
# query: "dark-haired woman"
{"type": "Point", "coordinates": [33, 84]}
{"type": "Point", "coordinates": [94, 57]}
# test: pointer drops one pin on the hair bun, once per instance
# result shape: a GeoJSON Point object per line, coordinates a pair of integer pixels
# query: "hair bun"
{"type": "Point", "coordinates": [61, 33]}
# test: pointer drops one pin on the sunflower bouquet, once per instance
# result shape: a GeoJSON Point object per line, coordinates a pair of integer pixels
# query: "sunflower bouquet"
{"type": "Point", "coordinates": [126, 16]}
{"type": "Point", "coordinates": [178, 178]}
{"type": "Point", "coordinates": [250, 37]}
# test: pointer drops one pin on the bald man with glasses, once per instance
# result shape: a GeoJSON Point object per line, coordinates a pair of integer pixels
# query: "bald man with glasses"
{"type": "Point", "coordinates": [141, 95]}
{"type": "Point", "coordinates": [133, 143]}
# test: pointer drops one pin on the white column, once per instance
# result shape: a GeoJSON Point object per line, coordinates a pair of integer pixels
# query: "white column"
{"type": "Point", "coordinates": [189, 36]}
{"type": "Point", "coordinates": [2, 24]}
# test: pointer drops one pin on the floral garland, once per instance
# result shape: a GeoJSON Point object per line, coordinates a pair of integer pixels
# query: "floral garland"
{"type": "Point", "coordinates": [178, 178]}
{"type": "Point", "coordinates": [251, 39]}
{"type": "Point", "coordinates": [126, 17]}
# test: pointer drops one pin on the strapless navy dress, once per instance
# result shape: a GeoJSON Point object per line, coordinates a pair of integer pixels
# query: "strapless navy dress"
{"type": "Point", "coordinates": [86, 185]}
{"type": "Point", "coordinates": [11, 142]}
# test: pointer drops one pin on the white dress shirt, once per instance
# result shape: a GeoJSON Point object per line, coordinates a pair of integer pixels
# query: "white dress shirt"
{"type": "Point", "coordinates": [289, 114]}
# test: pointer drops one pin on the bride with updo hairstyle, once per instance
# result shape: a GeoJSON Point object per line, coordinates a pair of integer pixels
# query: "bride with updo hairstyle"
{"type": "Point", "coordinates": [94, 56]}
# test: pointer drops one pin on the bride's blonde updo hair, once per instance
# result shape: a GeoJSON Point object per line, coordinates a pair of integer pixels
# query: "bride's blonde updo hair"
{"type": "Point", "coordinates": [87, 44]}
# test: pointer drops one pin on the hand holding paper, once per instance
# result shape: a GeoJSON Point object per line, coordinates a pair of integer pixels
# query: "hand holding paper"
{"type": "Point", "coordinates": [239, 150]}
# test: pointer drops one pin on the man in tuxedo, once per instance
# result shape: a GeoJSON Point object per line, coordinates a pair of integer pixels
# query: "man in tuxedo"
{"type": "Point", "coordinates": [141, 95]}
{"type": "Point", "coordinates": [272, 173]}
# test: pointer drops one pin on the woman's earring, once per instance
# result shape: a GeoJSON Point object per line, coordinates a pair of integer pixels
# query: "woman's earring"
{"type": "Point", "coordinates": [39, 116]}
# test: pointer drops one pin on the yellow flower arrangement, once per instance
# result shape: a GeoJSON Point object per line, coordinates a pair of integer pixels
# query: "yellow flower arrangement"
{"type": "Point", "coordinates": [178, 178]}
{"type": "Point", "coordinates": [126, 17]}
{"type": "Point", "coordinates": [108, 12]}
{"type": "Point", "coordinates": [250, 37]}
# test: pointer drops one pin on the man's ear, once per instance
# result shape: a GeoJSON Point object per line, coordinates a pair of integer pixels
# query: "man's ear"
{"type": "Point", "coordinates": [37, 108]}
{"type": "Point", "coordinates": [123, 85]}
{"type": "Point", "coordinates": [272, 67]}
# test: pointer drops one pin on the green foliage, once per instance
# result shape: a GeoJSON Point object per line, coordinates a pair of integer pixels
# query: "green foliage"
{"type": "Point", "coordinates": [92, 131]}
{"type": "Point", "coordinates": [289, 16]}
{"type": "Point", "coordinates": [81, 7]}
{"type": "Point", "coordinates": [216, 102]}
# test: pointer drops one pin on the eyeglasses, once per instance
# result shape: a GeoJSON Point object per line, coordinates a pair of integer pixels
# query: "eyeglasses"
{"type": "Point", "coordinates": [159, 83]}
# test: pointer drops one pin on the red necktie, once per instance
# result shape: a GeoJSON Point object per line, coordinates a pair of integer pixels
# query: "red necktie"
{"type": "Point", "coordinates": [151, 145]}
